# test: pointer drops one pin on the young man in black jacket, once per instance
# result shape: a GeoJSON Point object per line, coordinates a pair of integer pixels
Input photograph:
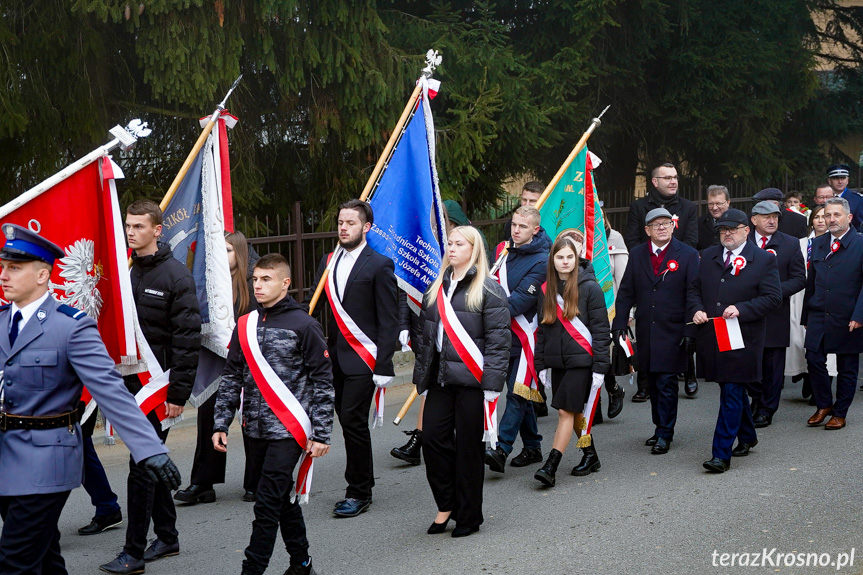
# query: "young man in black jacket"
{"type": "Point", "coordinates": [168, 312]}
{"type": "Point", "coordinates": [662, 195]}
{"type": "Point", "coordinates": [292, 344]}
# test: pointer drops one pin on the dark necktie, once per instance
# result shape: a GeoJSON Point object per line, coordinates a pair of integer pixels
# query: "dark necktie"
{"type": "Point", "coordinates": [727, 258]}
{"type": "Point", "coordinates": [658, 251]}
{"type": "Point", "coordinates": [13, 330]}
{"type": "Point", "coordinates": [336, 276]}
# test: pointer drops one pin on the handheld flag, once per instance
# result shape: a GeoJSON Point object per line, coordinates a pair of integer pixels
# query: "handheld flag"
{"type": "Point", "coordinates": [728, 334]}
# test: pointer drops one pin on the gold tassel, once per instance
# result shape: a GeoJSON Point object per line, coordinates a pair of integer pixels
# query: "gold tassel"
{"type": "Point", "coordinates": [584, 441]}
{"type": "Point", "coordinates": [526, 392]}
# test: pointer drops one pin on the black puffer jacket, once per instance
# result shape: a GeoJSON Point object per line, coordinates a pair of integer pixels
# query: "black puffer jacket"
{"type": "Point", "coordinates": [293, 344]}
{"type": "Point", "coordinates": [557, 349]}
{"type": "Point", "coordinates": [488, 327]}
{"type": "Point", "coordinates": [168, 312]}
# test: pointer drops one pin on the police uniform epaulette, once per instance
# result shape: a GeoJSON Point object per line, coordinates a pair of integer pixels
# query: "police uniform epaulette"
{"type": "Point", "coordinates": [72, 312]}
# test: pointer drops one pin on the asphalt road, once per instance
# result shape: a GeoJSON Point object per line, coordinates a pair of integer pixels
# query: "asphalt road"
{"type": "Point", "coordinates": [799, 491]}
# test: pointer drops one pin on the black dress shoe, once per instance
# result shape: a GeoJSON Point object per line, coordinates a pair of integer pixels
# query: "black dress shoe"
{"type": "Point", "coordinates": [661, 446]}
{"type": "Point", "coordinates": [496, 459]}
{"type": "Point", "coordinates": [159, 549]}
{"type": "Point", "coordinates": [437, 528]}
{"type": "Point", "coordinates": [717, 465]}
{"type": "Point", "coordinates": [352, 507]}
{"type": "Point", "coordinates": [102, 523]}
{"type": "Point", "coordinates": [762, 420]}
{"type": "Point", "coordinates": [615, 403]}
{"type": "Point", "coordinates": [528, 456]}
{"type": "Point", "coordinates": [691, 387]}
{"type": "Point", "coordinates": [640, 396]}
{"type": "Point", "coordinates": [196, 494]}
{"type": "Point", "coordinates": [742, 449]}
{"type": "Point", "coordinates": [124, 564]}
{"type": "Point", "coordinates": [249, 496]}
{"type": "Point", "coordinates": [652, 441]}
{"type": "Point", "coordinates": [464, 531]}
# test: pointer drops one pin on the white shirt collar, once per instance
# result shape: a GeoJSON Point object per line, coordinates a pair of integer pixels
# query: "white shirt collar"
{"type": "Point", "coordinates": [654, 247]}
{"type": "Point", "coordinates": [840, 237]}
{"type": "Point", "coordinates": [356, 251]}
{"type": "Point", "coordinates": [758, 238]}
{"type": "Point", "coordinates": [735, 252]}
{"type": "Point", "coordinates": [28, 310]}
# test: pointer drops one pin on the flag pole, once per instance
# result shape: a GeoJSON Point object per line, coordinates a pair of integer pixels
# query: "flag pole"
{"type": "Point", "coordinates": [432, 60]}
{"type": "Point", "coordinates": [595, 123]}
{"type": "Point", "coordinates": [214, 117]}
{"type": "Point", "coordinates": [124, 138]}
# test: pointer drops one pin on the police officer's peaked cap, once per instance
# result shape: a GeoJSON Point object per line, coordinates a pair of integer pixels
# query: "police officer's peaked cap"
{"type": "Point", "coordinates": [774, 194]}
{"type": "Point", "coordinates": [838, 171]}
{"type": "Point", "coordinates": [732, 219]}
{"type": "Point", "coordinates": [22, 245]}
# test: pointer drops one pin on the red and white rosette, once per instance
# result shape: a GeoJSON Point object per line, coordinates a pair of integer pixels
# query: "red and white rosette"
{"type": "Point", "coordinates": [490, 411]}
{"type": "Point", "coordinates": [771, 251]}
{"type": "Point", "coordinates": [676, 219]}
{"type": "Point", "coordinates": [672, 266]}
{"type": "Point", "coordinates": [737, 264]}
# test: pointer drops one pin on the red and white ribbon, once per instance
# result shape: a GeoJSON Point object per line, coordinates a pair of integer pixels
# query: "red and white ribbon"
{"type": "Point", "coordinates": [380, 394]}
{"type": "Point", "coordinates": [590, 411]}
{"type": "Point", "coordinates": [672, 266]}
{"type": "Point", "coordinates": [464, 345]}
{"type": "Point", "coordinates": [737, 264]}
{"type": "Point", "coordinates": [526, 380]}
{"type": "Point", "coordinates": [574, 327]}
{"type": "Point", "coordinates": [490, 422]}
{"type": "Point", "coordinates": [676, 219]}
{"type": "Point", "coordinates": [280, 400]}
{"type": "Point", "coordinates": [626, 345]}
{"type": "Point", "coordinates": [359, 341]}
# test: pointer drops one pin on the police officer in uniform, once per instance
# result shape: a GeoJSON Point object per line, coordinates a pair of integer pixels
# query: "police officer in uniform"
{"type": "Point", "coordinates": [46, 351]}
{"type": "Point", "coordinates": [655, 282]}
{"type": "Point", "coordinates": [735, 280]}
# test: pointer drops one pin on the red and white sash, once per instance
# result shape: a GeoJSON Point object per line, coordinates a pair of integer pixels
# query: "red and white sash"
{"type": "Point", "coordinates": [279, 398]}
{"type": "Point", "coordinates": [574, 327]}
{"type": "Point", "coordinates": [526, 380]}
{"type": "Point", "coordinates": [359, 341]}
{"type": "Point", "coordinates": [471, 356]}
{"type": "Point", "coordinates": [589, 411]}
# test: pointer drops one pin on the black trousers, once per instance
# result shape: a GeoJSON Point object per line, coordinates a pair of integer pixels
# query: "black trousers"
{"type": "Point", "coordinates": [663, 389]}
{"type": "Point", "coordinates": [354, 395]}
{"type": "Point", "coordinates": [30, 540]}
{"type": "Point", "coordinates": [772, 380]}
{"type": "Point", "coordinates": [273, 507]}
{"type": "Point", "coordinates": [148, 500]}
{"type": "Point", "coordinates": [254, 460]}
{"type": "Point", "coordinates": [95, 480]}
{"type": "Point", "coordinates": [453, 450]}
{"type": "Point", "coordinates": [208, 467]}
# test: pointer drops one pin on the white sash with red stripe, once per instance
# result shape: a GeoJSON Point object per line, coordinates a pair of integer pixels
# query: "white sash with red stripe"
{"type": "Point", "coordinates": [279, 398]}
{"type": "Point", "coordinates": [574, 327]}
{"type": "Point", "coordinates": [526, 380]}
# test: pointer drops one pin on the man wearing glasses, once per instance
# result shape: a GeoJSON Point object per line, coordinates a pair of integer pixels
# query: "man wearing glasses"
{"type": "Point", "coordinates": [735, 280]}
{"type": "Point", "coordinates": [837, 177]}
{"type": "Point", "coordinates": [718, 202]}
{"type": "Point", "coordinates": [663, 194]}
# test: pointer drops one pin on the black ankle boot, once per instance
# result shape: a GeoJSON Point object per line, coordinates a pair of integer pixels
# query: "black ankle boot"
{"type": "Point", "coordinates": [546, 474]}
{"type": "Point", "coordinates": [589, 462]}
{"type": "Point", "coordinates": [615, 401]}
{"type": "Point", "coordinates": [410, 451]}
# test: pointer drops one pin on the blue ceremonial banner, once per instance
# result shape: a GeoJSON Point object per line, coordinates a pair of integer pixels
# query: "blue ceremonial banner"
{"type": "Point", "coordinates": [408, 217]}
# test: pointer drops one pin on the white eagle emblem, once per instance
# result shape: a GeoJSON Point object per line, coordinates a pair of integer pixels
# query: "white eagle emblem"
{"type": "Point", "coordinates": [81, 274]}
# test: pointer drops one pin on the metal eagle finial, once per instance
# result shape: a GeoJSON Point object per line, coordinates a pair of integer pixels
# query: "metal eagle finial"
{"type": "Point", "coordinates": [433, 60]}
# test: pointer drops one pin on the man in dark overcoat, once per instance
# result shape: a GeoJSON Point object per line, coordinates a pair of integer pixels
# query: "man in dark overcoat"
{"type": "Point", "coordinates": [792, 273]}
{"type": "Point", "coordinates": [833, 313]}
{"type": "Point", "coordinates": [738, 281]}
{"type": "Point", "coordinates": [655, 282]}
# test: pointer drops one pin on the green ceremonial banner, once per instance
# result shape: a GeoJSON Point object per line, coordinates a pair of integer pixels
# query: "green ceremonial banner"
{"type": "Point", "coordinates": [573, 205]}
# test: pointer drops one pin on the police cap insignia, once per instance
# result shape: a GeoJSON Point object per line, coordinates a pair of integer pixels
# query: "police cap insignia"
{"type": "Point", "coordinates": [9, 230]}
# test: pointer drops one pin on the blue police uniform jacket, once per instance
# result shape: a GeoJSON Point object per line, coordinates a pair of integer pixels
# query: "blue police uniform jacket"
{"type": "Point", "coordinates": [58, 348]}
{"type": "Point", "coordinates": [834, 295]}
{"type": "Point", "coordinates": [792, 275]}
{"type": "Point", "coordinates": [755, 291]}
{"type": "Point", "coordinates": [660, 300]}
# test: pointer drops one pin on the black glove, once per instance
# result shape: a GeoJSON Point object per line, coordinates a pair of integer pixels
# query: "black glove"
{"type": "Point", "coordinates": [160, 468]}
{"type": "Point", "coordinates": [688, 344]}
{"type": "Point", "coordinates": [617, 334]}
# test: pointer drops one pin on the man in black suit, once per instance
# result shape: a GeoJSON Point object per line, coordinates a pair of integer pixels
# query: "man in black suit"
{"type": "Point", "coordinates": [655, 282]}
{"type": "Point", "coordinates": [663, 194]}
{"type": "Point", "coordinates": [735, 280]}
{"type": "Point", "coordinates": [791, 222]}
{"type": "Point", "coordinates": [362, 292]}
{"type": "Point", "coordinates": [792, 274]}
{"type": "Point", "coordinates": [833, 313]}
{"type": "Point", "coordinates": [718, 202]}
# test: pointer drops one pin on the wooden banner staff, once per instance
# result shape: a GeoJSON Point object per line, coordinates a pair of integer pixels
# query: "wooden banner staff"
{"type": "Point", "coordinates": [554, 181]}
{"type": "Point", "coordinates": [214, 117]}
{"type": "Point", "coordinates": [432, 60]}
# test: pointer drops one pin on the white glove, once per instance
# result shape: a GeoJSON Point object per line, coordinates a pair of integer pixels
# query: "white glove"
{"type": "Point", "coordinates": [545, 377]}
{"type": "Point", "coordinates": [381, 381]}
{"type": "Point", "coordinates": [490, 395]}
{"type": "Point", "coordinates": [598, 379]}
{"type": "Point", "coordinates": [425, 393]}
{"type": "Point", "coordinates": [404, 337]}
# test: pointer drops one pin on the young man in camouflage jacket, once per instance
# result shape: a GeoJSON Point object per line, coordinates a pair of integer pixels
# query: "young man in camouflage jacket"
{"type": "Point", "coordinates": [294, 346]}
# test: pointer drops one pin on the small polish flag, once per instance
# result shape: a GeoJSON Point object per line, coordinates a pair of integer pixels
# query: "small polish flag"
{"type": "Point", "coordinates": [728, 334]}
{"type": "Point", "coordinates": [626, 344]}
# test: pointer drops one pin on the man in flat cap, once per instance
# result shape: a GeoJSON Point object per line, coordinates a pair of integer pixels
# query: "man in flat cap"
{"type": "Point", "coordinates": [735, 280]}
{"type": "Point", "coordinates": [792, 275]}
{"type": "Point", "coordinates": [47, 350]}
{"type": "Point", "coordinates": [837, 177]}
{"type": "Point", "coordinates": [833, 313]}
{"type": "Point", "coordinates": [655, 282]}
{"type": "Point", "coordinates": [791, 222]}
